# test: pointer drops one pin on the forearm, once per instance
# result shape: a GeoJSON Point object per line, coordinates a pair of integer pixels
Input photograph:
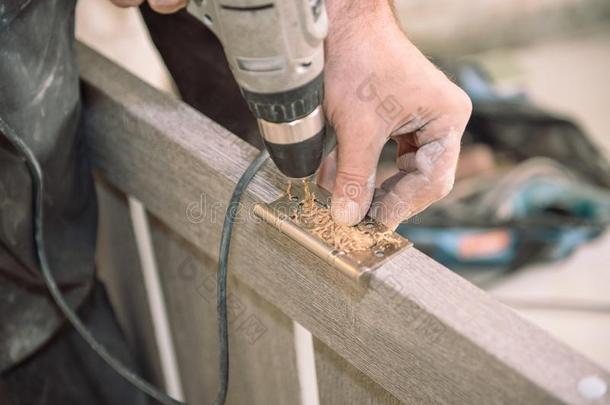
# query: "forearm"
{"type": "Point", "coordinates": [353, 16]}
{"type": "Point", "coordinates": [366, 24]}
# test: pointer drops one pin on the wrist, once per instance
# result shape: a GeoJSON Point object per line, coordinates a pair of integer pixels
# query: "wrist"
{"type": "Point", "coordinates": [368, 21]}
{"type": "Point", "coordinates": [349, 10]}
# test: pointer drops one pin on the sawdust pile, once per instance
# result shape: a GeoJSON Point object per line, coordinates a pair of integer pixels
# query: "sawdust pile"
{"type": "Point", "coordinates": [317, 218]}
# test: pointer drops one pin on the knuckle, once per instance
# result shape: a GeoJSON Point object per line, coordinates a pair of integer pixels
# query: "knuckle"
{"type": "Point", "coordinates": [345, 176]}
{"type": "Point", "coordinates": [464, 101]}
{"type": "Point", "coordinates": [460, 102]}
{"type": "Point", "coordinates": [442, 189]}
{"type": "Point", "coordinates": [353, 184]}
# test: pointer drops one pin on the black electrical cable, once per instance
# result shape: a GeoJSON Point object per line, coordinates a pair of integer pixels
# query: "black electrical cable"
{"type": "Point", "coordinates": [221, 281]}
{"type": "Point", "coordinates": [41, 255]}
{"type": "Point", "coordinates": [117, 365]}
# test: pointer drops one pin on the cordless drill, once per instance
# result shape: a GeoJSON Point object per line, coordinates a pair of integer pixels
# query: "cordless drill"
{"type": "Point", "coordinates": [276, 53]}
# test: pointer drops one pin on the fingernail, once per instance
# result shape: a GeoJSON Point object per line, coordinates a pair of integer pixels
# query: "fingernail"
{"type": "Point", "coordinates": [345, 211]}
{"type": "Point", "coordinates": [377, 212]}
{"type": "Point", "coordinates": [390, 217]}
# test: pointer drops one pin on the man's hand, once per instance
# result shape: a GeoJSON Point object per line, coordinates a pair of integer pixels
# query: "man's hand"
{"type": "Point", "coordinates": [160, 6]}
{"type": "Point", "coordinates": [379, 86]}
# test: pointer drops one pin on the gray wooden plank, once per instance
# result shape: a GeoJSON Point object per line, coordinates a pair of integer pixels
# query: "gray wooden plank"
{"type": "Point", "coordinates": [118, 266]}
{"type": "Point", "coordinates": [340, 383]}
{"type": "Point", "coordinates": [262, 358]}
{"type": "Point", "coordinates": [421, 332]}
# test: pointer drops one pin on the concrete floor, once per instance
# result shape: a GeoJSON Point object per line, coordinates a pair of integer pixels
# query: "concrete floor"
{"type": "Point", "coordinates": [569, 76]}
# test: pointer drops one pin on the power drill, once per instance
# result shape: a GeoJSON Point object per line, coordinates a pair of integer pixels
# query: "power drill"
{"type": "Point", "coordinates": [275, 49]}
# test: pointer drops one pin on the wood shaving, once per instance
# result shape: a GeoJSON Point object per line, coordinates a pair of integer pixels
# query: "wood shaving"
{"type": "Point", "coordinates": [316, 217]}
{"type": "Point", "coordinates": [289, 190]}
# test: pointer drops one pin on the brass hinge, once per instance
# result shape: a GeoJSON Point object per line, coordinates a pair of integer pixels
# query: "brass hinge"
{"type": "Point", "coordinates": [286, 213]}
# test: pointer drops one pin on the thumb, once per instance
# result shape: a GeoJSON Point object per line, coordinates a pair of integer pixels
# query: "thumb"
{"type": "Point", "coordinates": [355, 178]}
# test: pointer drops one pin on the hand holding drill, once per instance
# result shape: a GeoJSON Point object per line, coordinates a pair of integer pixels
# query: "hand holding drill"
{"type": "Point", "coordinates": [378, 86]}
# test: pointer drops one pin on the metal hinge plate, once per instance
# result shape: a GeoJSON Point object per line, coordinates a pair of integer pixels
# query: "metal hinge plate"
{"type": "Point", "coordinates": [284, 214]}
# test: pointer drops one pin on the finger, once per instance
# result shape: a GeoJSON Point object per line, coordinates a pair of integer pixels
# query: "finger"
{"type": "Point", "coordinates": [426, 176]}
{"type": "Point", "coordinates": [127, 3]}
{"type": "Point", "coordinates": [328, 171]}
{"type": "Point", "coordinates": [167, 6]}
{"type": "Point", "coordinates": [355, 175]}
{"type": "Point", "coordinates": [406, 153]}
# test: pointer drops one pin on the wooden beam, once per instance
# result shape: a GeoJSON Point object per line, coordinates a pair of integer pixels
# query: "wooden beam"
{"type": "Point", "coordinates": [341, 383]}
{"type": "Point", "coordinates": [119, 268]}
{"type": "Point", "coordinates": [263, 364]}
{"type": "Point", "coordinates": [419, 331]}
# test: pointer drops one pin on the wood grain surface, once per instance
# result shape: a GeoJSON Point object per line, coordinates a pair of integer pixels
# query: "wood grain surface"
{"type": "Point", "coordinates": [119, 268]}
{"type": "Point", "coordinates": [262, 359]}
{"type": "Point", "coordinates": [418, 330]}
{"type": "Point", "coordinates": [341, 383]}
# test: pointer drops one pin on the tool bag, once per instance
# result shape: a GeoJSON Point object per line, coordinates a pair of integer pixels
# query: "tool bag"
{"type": "Point", "coordinates": [549, 193]}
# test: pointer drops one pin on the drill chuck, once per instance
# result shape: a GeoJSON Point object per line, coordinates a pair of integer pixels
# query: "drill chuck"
{"type": "Point", "coordinates": [275, 49]}
{"type": "Point", "coordinates": [296, 147]}
{"type": "Point", "coordinates": [291, 123]}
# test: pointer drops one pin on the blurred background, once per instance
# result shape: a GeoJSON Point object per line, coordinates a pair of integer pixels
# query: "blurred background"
{"type": "Point", "coordinates": [537, 71]}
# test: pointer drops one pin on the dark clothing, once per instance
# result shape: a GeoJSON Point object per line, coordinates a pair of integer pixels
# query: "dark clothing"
{"type": "Point", "coordinates": [42, 359]}
{"type": "Point", "coordinates": [65, 371]}
{"type": "Point", "coordinates": [39, 98]}
{"type": "Point", "coordinates": [196, 61]}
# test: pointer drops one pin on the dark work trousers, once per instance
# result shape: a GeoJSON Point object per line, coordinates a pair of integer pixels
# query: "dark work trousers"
{"type": "Point", "coordinates": [66, 371]}
{"type": "Point", "coordinates": [42, 360]}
